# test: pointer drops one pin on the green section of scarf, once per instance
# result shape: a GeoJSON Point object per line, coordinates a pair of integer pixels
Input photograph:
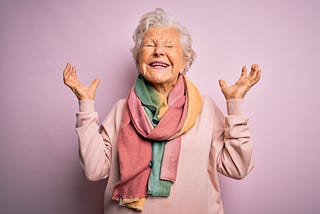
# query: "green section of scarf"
{"type": "Point", "coordinates": [151, 102]}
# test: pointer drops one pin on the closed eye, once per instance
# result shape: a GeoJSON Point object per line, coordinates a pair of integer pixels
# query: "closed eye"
{"type": "Point", "coordinates": [149, 45]}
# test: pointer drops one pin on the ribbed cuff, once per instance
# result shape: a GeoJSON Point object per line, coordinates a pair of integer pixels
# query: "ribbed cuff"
{"type": "Point", "coordinates": [86, 105]}
{"type": "Point", "coordinates": [234, 107]}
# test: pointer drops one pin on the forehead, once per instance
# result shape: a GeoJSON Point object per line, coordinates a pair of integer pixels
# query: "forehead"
{"type": "Point", "coordinates": [162, 34]}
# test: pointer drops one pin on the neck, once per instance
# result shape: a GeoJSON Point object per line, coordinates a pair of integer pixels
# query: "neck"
{"type": "Point", "coordinates": [164, 89]}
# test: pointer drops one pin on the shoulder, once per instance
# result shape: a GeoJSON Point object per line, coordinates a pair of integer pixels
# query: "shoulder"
{"type": "Point", "coordinates": [119, 105]}
{"type": "Point", "coordinates": [115, 114]}
{"type": "Point", "coordinates": [210, 113]}
{"type": "Point", "coordinates": [208, 104]}
{"type": "Point", "coordinates": [117, 108]}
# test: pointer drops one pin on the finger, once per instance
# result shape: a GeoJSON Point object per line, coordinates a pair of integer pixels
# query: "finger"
{"type": "Point", "coordinates": [243, 72]}
{"type": "Point", "coordinates": [66, 69]}
{"type": "Point", "coordinates": [74, 74]}
{"type": "Point", "coordinates": [73, 71]}
{"type": "Point", "coordinates": [255, 77]}
{"type": "Point", "coordinates": [66, 74]}
{"type": "Point", "coordinates": [253, 72]}
{"type": "Point", "coordinates": [254, 67]}
{"type": "Point", "coordinates": [67, 66]}
{"type": "Point", "coordinates": [222, 84]}
{"type": "Point", "coordinates": [95, 84]}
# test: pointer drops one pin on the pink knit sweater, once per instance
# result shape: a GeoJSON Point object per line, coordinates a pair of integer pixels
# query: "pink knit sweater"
{"type": "Point", "coordinates": [215, 144]}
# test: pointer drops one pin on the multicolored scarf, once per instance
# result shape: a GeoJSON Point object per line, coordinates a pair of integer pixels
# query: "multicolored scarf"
{"type": "Point", "coordinates": [150, 138]}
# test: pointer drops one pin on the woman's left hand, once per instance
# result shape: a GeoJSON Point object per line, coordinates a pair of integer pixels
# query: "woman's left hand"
{"type": "Point", "coordinates": [243, 85]}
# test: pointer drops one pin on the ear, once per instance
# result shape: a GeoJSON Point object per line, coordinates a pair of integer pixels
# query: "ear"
{"type": "Point", "coordinates": [185, 63]}
{"type": "Point", "coordinates": [138, 64]}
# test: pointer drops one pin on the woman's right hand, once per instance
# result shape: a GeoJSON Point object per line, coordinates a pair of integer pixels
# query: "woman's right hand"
{"type": "Point", "coordinates": [82, 92]}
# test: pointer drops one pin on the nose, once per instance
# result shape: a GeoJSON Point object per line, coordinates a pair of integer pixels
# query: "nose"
{"type": "Point", "coordinates": [158, 51]}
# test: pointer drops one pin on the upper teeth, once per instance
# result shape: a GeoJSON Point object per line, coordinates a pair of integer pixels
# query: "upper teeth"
{"type": "Point", "coordinates": [159, 64]}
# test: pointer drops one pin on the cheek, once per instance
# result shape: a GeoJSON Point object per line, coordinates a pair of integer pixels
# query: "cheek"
{"type": "Point", "coordinates": [142, 67]}
{"type": "Point", "coordinates": [143, 58]}
{"type": "Point", "coordinates": [179, 58]}
{"type": "Point", "coordinates": [180, 63]}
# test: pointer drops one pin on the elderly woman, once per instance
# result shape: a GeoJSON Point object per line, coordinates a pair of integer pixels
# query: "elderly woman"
{"type": "Point", "coordinates": [161, 148]}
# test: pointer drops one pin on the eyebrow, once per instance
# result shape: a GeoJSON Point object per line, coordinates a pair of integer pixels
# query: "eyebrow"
{"type": "Point", "coordinates": [164, 41]}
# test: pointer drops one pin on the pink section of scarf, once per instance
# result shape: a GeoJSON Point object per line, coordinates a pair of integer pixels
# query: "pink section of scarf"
{"type": "Point", "coordinates": [134, 147]}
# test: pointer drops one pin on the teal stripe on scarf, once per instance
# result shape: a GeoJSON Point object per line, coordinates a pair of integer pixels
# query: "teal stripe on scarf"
{"type": "Point", "coordinates": [150, 100]}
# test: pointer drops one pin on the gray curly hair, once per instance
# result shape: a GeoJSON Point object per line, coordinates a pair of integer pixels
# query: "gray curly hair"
{"type": "Point", "coordinates": [159, 18]}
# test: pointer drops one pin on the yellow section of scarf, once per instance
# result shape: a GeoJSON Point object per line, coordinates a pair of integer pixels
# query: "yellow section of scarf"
{"type": "Point", "coordinates": [164, 106]}
{"type": "Point", "coordinates": [194, 106]}
{"type": "Point", "coordinates": [133, 203]}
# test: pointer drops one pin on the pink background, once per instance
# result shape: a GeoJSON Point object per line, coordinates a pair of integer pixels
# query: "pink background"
{"type": "Point", "coordinates": [40, 171]}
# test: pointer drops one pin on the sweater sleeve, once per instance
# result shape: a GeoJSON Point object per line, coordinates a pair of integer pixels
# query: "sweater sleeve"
{"type": "Point", "coordinates": [94, 143]}
{"type": "Point", "coordinates": [234, 158]}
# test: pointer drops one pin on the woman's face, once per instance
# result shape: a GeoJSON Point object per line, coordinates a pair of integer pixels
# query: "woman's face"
{"type": "Point", "coordinates": [161, 57]}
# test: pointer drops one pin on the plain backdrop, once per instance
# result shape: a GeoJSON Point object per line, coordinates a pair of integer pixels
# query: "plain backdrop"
{"type": "Point", "coordinates": [39, 166]}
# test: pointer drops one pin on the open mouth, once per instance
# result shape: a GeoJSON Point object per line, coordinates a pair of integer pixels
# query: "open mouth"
{"type": "Point", "coordinates": [158, 64]}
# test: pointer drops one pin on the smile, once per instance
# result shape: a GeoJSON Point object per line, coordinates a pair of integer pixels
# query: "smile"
{"type": "Point", "coordinates": [158, 64]}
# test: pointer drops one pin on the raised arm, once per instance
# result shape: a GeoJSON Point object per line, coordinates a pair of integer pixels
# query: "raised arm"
{"type": "Point", "coordinates": [235, 157]}
{"type": "Point", "coordinates": [94, 142]}
{"type": "Point", "coordinates": [95, 146]}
